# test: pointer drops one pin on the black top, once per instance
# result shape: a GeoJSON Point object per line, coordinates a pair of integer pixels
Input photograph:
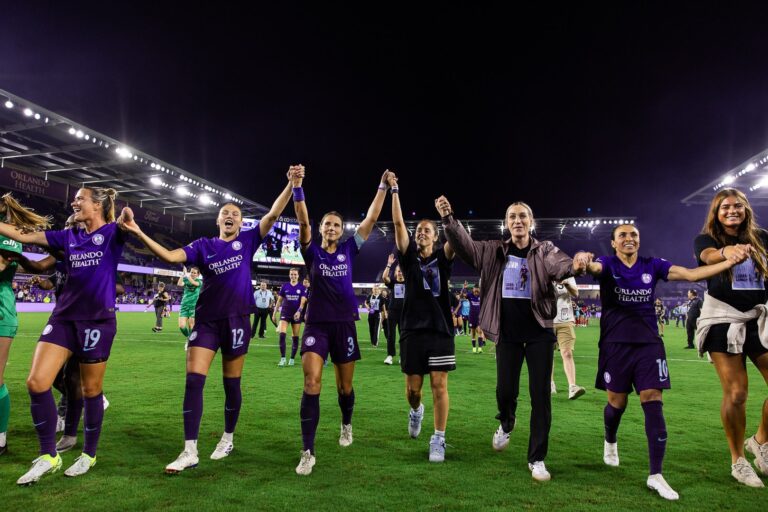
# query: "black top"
{"type": "Point", "coordinates": [747, 289]}
{"type": "Point", "coordinates": [694, 308]}
{"type": "Point", "coordinates": [518, 325]}
{"type": "Point", "coordinates": [374, 303]}
{"type": "Point", "coordinates": [396, 294]}
{"type": "Point", "coordinates": [426, 304]}
{"type": "Point", "coordinates": [160, 299]}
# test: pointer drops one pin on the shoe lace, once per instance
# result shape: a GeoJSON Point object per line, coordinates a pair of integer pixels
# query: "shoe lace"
{"type": "Point", "coordinates": [743, 469]}
{"type": "Point", "coordinates": [305, 458]}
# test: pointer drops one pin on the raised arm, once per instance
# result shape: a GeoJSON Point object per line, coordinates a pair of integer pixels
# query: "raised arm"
{"type": "Point", "coordinates": [180, 282]}
{"type": "Point", "coordinates": [459, 241]}
{"type": "Point", "coordinates": [126, 222]}
{"type": "Point", "coordinates": [385, 274]}
{"type": "Point", "coordinates": [366, 226]}
{"type": "Point", "coordinates": [268, 220]}
{"type": "Point", "coordinates": [300, 207]}
{"type": "Point", "coordinates": [402, 238]}
{"type": "Point", "coordinates": [14, 233]}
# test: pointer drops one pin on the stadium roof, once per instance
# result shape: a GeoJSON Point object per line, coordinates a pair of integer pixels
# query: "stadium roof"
{"type": "Point", "coordinates": [750, 177]}
{"type": "Point", "coordinates": [47, 145]}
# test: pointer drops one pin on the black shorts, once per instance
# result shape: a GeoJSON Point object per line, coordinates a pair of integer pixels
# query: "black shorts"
{"type": "Point", "coordinates": [717, 339]}
{"type": "Point", "coordinates": [422, 352]}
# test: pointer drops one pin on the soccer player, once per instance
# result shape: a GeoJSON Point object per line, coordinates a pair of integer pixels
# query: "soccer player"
{"type": "Point", "coordinates": [728, 327]}
{"type": "Point", "coordinates": [331, 314]}
{"type": "Point", "coordinates": [426, 345]}
{"type": "Point", "coordinates": [517, 309]}
{"type": "Point", "coordinates": [566, 335]}
{"type": "Point", "coordinates": [395, 307]}
{"type": "Point", "coordinates": [82, 324]}
{"type": "Point", "coordinates": [265, 302]}
{"type": "Point", "coordinates": [373, 305]}
{"type": "Point", "coordinates": [475, 331]}
{"type": "Point", "coordinates": [192, 283]}
{"type": "Point", "coordinates": [464, 308]}
{"type": "Point", "coordinates": [223, 315]}
{"type": "Point", "coordinates": [290, 302]}
{"type": "Point", "coordinates": [631, 351]}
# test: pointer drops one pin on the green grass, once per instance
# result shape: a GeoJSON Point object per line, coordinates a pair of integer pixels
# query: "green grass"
{"type": "Point", "coordinates": [384, 468]}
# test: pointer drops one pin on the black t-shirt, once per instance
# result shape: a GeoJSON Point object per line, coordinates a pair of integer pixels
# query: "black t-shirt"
{"type": "Point", "coordinates": [747, 288]}
{"type": "Point", "coordinates": [396, 294]}
{"type": "Point", "coordinates": [518, 324]}
{"type": "Point", "coordinates": [374, 301]}
{"type": "Point", "coordinates": [694, 308]}
{"type": "Point", "coordinates": [426, 303]}
{"type": "Point", "coordinates": [160, 299]}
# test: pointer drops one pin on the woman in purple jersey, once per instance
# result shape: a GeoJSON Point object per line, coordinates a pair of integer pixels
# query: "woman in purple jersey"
{"type": "Point", "coordinates": [290, 302]}
{"type": "Point", "coordinates": [82, 324]}
{"type": "Point", "coordinates": [331, 314]}
{"type": "Point", "coordinates": [222, 312]}
{"type": "Point", "coordinates": [631, 352]}
{"type": "Point", "coordinates": [729, 325]}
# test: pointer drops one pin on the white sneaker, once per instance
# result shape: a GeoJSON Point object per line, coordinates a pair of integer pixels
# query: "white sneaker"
{"type": "Point", "coordinates": [500, 439]}
{"type": "Point", "coordinates": [658, 484]}
{"type": "Point", "coordinates": [552, 388]}
{"type": "Point", "coordinates": [60, 424]}
{"type": "Point", "coordinates": [436, 448]}
{"type": "Point", "coordinates": [345, 438]}
{"type": "Point", "coordinates": [291, 362]}
{"type": "Point", "coordinates": [611, 453]}
{"type": "Point", "coordinates": [575, 392]}
{"type": "Point", "coordinates": [185, 460]}
{"type": "Point", "coordinates": [81, 466]}
{"type": "Point", "coordinates": [388, 360]}
{"type": "Point", "coordinates": [281, 363]}
{"type": "Point", "coordinates": [66, 443]}
{"type": "Point", "coordinates": [306, 463]}
{"type": "Point", "coordinates": [414, 421]}
{"type": "Point", "coordinates": [539, 471]}
{"type": "Point", "coordinates": [744, 473]}
{"type": "Point", "coordinates": [106, 402]}
{"type": "Point", "coordinates": [43, 465]}
{"type": "Point", "coordinates": [223, 448]}
{"type": "Point", "coordinates": [760, 451]}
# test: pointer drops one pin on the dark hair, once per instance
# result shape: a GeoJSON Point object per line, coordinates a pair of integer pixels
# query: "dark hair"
{"type": "Point", "coordinates": [194, 267]}
{"type": "Point", "coordinates": [335, 214]}
{"type": "Point", "coordinates": [613, 232]}
{"type": "Point", "coordinates": [694, 293]}
{"type": "Point", "coordinates": [230, 203]}
{"type": "Point", "coordinates": [433, 223]}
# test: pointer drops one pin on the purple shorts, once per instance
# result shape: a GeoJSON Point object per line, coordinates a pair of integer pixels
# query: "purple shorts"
{"type": "Point", "coordinates": [621, 366]}
{"type": "Point", "coordinates": [474, 319]}
{"type": "Point", "coordinates": [289, 318]}
{"type": "Point", "coordinates": [90, 341]}
{"type": "Point", "coordinates": [339, 339]}
{"type": "Point", "coordinates": [232, 335]}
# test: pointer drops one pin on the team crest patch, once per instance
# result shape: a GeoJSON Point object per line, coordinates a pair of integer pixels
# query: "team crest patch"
{"type": "Point", "coordinates": [647, 278]}
{"type": "Point", "coordinates": [309, 341]}
{"type": "Point", "coordinates": [607, 377]}
{"type": "Point", "coordinates": [342, 258]}
{"type": "Point", "coordinates": [98, 239]}
{"type": "Point", "coordinates": [236, 245]}
{"type": "Point", "coordinates": [48, 329]}
{"type": "Point", "coordinates": [193, 336]}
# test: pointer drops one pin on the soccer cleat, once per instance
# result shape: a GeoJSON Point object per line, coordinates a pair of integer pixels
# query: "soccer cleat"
{"type": "Point", "coordinates": [281, 364]}
{"type": "Point", "coordinates": [500, 439]}
{"type": "Point", "coordinates": [479, 350]}
{"type": "Point", "coordinates": [66, 443]}
{"type": "Point", "coordinates": [388, 360]}
{"type": "Point", "coordinates": [611, 453]}
{"type": "Point", "coordinates": [306, 463]}
{"type": "Point", "coordinates": [223, 448]}
{"type": "Point", "coordinates": [539, 471]}
{"type": "Point", "coordinates": [760, 451]}
{"type": "Point", "coordinates": [345, 438]}
{"type": "Point", "coordinates": [744, 473]}
{"type": "Point", "coordinates": [575, 392]}
{"type": "Point", "coordinates": [81, 466]}
{"type": "Point", "coordinates": [414, 421]}
{"type": "Point", "coordinates": [43, 465]}
{"type": "Point", "coordinates": [185, 460]}
{"type": "Point", "coordinates": [291, 362]}
{"type": "Point", "coordinates": [552, 388]}
{"type": "Point", "coordinates": [658, 484]}
{"type": "Point", "coordinates": [436, 448]}
{"type": "Point", "coordinates": [60, 424]}
{"type": "Point", "coordinates": [474, 350]}
{"type": "Point", "coordinates": [106, 402]}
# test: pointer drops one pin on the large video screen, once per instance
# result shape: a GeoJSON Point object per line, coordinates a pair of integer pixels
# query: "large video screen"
{"type": "Point", "coordinates": [281, 245]}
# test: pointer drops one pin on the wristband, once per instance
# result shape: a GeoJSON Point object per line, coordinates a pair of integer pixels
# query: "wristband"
{"type": "Point", "coordinates": [382, 186]}
{"type": "Point", "coordinates": [394, 190]}
{"type": "Point", "coordinates": [298, 194]}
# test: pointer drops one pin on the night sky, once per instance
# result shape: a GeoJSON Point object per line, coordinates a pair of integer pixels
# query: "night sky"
{"type": "Point", "coordinates": [624, 108]}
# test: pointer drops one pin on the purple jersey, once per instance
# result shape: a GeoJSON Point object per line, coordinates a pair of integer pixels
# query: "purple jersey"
{"type": "Point", "coordinates": [628, 295]}
{"type": "Point", "coordinates": [291, 295]}
{"type": "Point", "coordinates": [333, 298]}
{"type": "Point", "coordinates": [226, 271]}
{"type": "Point", "coordinates": [474, 303]}
{"type": "Point", "coordinates": [91, 267]}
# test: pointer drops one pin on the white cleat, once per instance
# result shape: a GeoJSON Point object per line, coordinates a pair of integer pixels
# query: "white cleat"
{"type": "Point", "coordinates": [500, 439]}
{"type": "Point", "coordinates": [291, 362]}
{"type": "Point", "coordinates": [575, 392]}
{"type": "Point", "coordinates": [345, 438]}
{"type": "Point", "coordinates": [611, 453]}
{"type": "Point", "coordinates": [388, 360]}
{"type": "Point", "coordinates": [539, 471]}
{"type": "Point", "coordinates": [223, 448]}
{"type": "Point", "coordinates": [436, 448]}
{"type": "Point", "coordinates": [106, 402]}
{"type": "Point", "coordinates": [414, 421]}
{"type": "Point", "coordinates": [281, 364]}
{"type": "Point", "coordinates": [306, 463]}
{"type": "Point", "coordinates": [760, 451]}
{"type": "Point", "coordinates": [744, 473]}
{"type": "Point", "coordinates": [66, 443]}
{"type": "Point", "coordinates": [185, 460]}
{"type": "Point", "coordinates": [658, 484]}
{"type": "Point", "coordinates": [81, 466]}
{"type": "Point", "coordinates": [43, 465]}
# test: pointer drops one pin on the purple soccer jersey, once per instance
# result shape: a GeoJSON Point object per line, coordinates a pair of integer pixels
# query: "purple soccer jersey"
{"type": "Point", "coordinates": [627, 295]}
{"type": "Point", "coordinates": [91, 268]}
{"type": "Point", "coordinates": [332, 298]}
{"type": "Point", "coordinates": [291, 295]}
{"type": "Point", "coordinates": [226, 271]}
{"type": "Point", "coordinates": [474, 309]}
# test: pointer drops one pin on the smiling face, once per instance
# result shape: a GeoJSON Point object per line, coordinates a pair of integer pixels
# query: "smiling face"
{"type": "Point", "coordinates": [519, 220]}
{"type": "Point", "coordinates": [426, 234]}
{"type": "Point", "coordinates": [293, 275]}
{"type": "Point", "coordinates": [194, 273]}
{"type": "Point", "coordinates": [626, 240]}
{"type": "Point", "coordinates": [229, 220]}
{"type": "Point", "coordinates": [84, 206]}
{"type": "Point", "coordinates": [331, 228]}
{"type": "Point", "coordinates": [731, 212]}
{"type": "Point", "coordinates": [399, 274]}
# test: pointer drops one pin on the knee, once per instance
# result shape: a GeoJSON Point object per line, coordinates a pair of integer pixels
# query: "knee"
{"type": "Point", "coordinates": [736, 396]}
{"type": "Point", "coordinates": [35, 384]}
{"type": "Point", "coordinates": [312, 384]}
{"type": "Point", "coordinates": [439, 389]}
{"type": "Point", "coordinates": [344, 388]}
{"type": "Point", "coordinates": [91, 389]}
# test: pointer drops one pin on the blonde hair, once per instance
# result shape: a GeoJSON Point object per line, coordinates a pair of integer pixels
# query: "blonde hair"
{"type": "Point", "coordinates": [23, 218]}
{"type": "Point", "coordinates": [527, 208]}
{"type": "Point", "coordinates": [106, 198]}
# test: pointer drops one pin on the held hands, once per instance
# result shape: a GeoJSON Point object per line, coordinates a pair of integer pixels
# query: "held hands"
{"type": "Point", "coordinates": [581, 261]}
{"type": "Point", "coordinates": [295, 175]}
{"type": "Point", "coordinates": [443, 206]}
{"type": "Point", "coordinates": [388, 179]}
{"type": "Point", "coordinates": [126, 221]}
{"type": "Point", "coordinates": [736, 254]}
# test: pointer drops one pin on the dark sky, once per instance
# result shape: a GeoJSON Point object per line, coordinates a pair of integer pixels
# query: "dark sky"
{"type": "Point", "coordinates": [622, 107]}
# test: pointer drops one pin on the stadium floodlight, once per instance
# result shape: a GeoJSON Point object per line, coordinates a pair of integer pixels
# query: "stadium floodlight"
{"type": "Point", "coordinates": [204, 199]}
{"type": "Point", "coordinates": [155, 180]}
{"type": "Point", "coordinates": [79, 134]}
{"type": "Point", "coordinates": [632, 221]}
{"type": "Point", "coordinates": [729, 179]}
{"type": "Point", "coordinates": [123, 152]}
{"type": "Point", "coordinates": [72, 130]}
{"type": "Point", "coordinates": [28, 112]}
{"type": "Point", "coordinates": [750, 167]}
{"type": "Point", "coordinates": [8, 104]}
{"type": "Point", "coordinates": [37, 116]}
{"type": "Point", "coordinates": [181, 191]}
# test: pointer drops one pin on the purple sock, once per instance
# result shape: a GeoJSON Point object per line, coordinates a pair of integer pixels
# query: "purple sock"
{"type": "Point", "coordinates": [282, 344]}
{"type": "Point", "coordinates": [347, 406]}
{"type": "Point", "coordinates": [481, 342]}
{"type": "Point", "coordinates": [232, 402]}
{"type": "Point", "coordinates": [193, 405]}
{"type": "Point", "coordinates": [294, 346]}
{"type": "Point", "coordinates": [310, 417]}
{"type": "Point", "coordinates": [612, 418]}
{"type": "Point", "coordinates": [94, 417]}
{"type": "Point", "coordinates": [72, 416]}
{"type": "Point", "coordinates": [44, 417]}
{"type": "Point", "coordinates": [656, 432]}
